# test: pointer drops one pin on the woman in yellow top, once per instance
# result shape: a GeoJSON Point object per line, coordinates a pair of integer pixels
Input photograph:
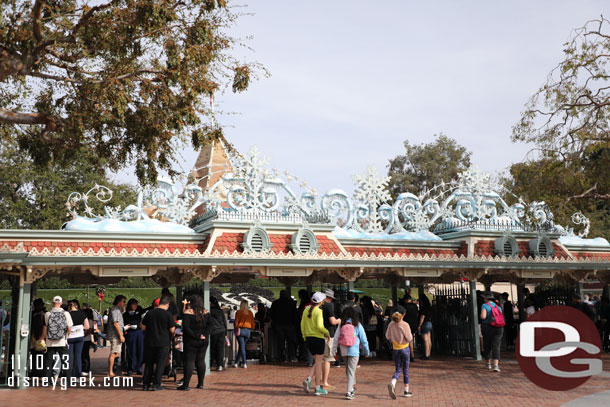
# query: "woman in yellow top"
{"type": "Point", "coordinates": [315, 336]}
{"type": "Point", "coordinates": [244, 322]}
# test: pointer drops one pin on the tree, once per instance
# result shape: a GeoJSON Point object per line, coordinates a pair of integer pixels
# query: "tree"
{"type": "Point", "coordinates": [426, 165]}
{"type": "Point", "coordinates": [126, 78]}
{"type": "Point", "coordinates": [34, 197]}
{"type": "Point", "coordinates": [568, 117]}
{"type": "Point", "coordinates": [567, 121]}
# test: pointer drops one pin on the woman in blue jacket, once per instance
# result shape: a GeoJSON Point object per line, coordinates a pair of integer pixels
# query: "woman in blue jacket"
{"type": "Point", "coordinates": [351, 332]}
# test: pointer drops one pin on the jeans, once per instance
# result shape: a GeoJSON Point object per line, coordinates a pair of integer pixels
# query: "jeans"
{"type": "Point", "coordinates": [244, 335]}
{"type": "Point", "coordinates": [154, 355]}
{"type": "Point", "coordinates": [194, 355]}
{"type": "Point", "coordinates": [492, 337]}
{"type": "Point", "coordinates": [401, 362]}
{"type": "Point", "coordinates": [134, 341]}
{"type": "Point", "coordinates": [351, 363]}
{"type": "Point", "coordinates": [76, 351]}
{"type": "Point", "coordinates": [217, 349]}
{"type": "Point", "coordinates": [57, 361]}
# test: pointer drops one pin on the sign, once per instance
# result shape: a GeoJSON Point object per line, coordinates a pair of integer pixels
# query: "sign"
{"type": "Point", "coordinates": [277, 272]}
{"type": "Point", "coordinates": [124, 271]}
{"type": "Point", "coordinates": [559, 348]}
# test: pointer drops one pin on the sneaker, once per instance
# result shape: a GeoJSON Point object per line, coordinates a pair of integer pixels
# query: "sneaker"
{"type": "Point", "coordinates": [489, 365]}
{"type": "Point", "coordinates": [321, 392]}
{"type": "Point", "coordinates": [307, 385]}
{"type": "Point", "coordinates": [245, 366]}
{"type": "Point", "coordinates": [408, 394]}
{"type": "Point", "coordinates": [496, 368]}
{"type": "Point", "coordinates": [392, 391]}
{"type": "Point", "coordinates": [350, 395]}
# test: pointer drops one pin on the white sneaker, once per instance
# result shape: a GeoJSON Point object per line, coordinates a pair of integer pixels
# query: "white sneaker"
{"type": "Point", "coordinates": [245, 366]}
{"type": "Point", "coordinates": [392, 391]}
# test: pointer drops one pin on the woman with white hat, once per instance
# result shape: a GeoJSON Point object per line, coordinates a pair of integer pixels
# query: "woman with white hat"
{"type": "Point", "coordinates": [315, 336]}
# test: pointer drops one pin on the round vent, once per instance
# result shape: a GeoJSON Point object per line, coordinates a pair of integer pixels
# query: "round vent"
{"type": "Point", "coordinates": [256, 243]}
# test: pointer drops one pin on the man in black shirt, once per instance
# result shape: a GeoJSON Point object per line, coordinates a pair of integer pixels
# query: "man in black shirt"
{"type": "Point", "coordinates": [330, 322]}
{"type": "Point", "coordinates": [158, 326]}
{"type": "Point", "coordinates": [283, 319]}
{"type": "Point", "coordinates": [411, 318]}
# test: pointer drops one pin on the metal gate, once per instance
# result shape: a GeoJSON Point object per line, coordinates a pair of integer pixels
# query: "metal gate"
{"type": "Point", "coordinates": [554, 293]}
{"type": "Point", "coordinates": [5, 337]}
{"type": "Point", "coordinates": [451, 331]}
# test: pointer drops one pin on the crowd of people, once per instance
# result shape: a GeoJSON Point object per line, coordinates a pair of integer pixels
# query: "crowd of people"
{"type": "Point", "coordinates": [318, 330]}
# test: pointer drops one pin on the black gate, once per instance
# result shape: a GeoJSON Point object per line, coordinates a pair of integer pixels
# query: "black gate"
{"type": "Point", "coordinates": [451, 330]}
{"type": "Point", "coordinates": [554, 293]}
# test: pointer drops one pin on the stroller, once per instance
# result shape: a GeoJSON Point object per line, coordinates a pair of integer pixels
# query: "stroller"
{"type": "Point", "coordinates": [255, 345]}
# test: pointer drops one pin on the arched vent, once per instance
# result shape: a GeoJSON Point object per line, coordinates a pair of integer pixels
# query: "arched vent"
{"type": "Point", "coordinates": [541, 247]}
{"type": "Point", "coordinates": [304, 241]}
{"type": "Point", "coordinates": [506, 246]}
{"type": "Point", "coordinates": [256, 244]}
{"type": "Point", "coordinates": [542, 250]}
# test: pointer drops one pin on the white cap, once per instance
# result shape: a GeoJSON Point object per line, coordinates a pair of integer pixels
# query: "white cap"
{"type": "Point", "coordinates": [57, 299]}
{"type": "Point", "coordinates": [318, 297]}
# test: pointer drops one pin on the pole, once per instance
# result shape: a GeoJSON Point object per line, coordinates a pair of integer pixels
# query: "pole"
{"type": "Point", "coordinates": [474, 321]}
{"type": "Point", "coordinates": [206, 305]}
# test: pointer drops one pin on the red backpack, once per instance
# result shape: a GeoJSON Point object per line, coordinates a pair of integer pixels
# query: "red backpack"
{"type": "Point", "coordinates": [497, 318]}
{"type": "Point", "coordinates": [347, 335]}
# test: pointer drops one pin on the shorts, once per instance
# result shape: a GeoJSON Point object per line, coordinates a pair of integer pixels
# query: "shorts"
{"type": "Point", "coordinates": [115, 345]}
{"type": "Point", "coordinates": [426, 327]}
{"type": "Point", "coordinates": [315, 345]}
{"type": "Point", "coordinates": [328, 347]}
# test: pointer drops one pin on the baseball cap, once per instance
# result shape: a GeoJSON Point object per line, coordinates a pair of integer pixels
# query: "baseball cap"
{"type": "Point", "coordinates": [400, 309]}
{"type": "Point", "coordinates": [157, 302]}
{"type": "Point", "coordinates": [329, 293]}
{"type": "Point", "coordinates": [58, 299]}
{"type": "Point", "coordinates": [317, 298]}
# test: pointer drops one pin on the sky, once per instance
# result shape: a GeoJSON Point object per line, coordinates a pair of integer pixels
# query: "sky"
{"type": "Point", "coordinates": [352, 80]}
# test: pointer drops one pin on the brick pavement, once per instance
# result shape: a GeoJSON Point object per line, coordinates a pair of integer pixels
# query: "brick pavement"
{"type": "Point", "coordinates": [437, 382]}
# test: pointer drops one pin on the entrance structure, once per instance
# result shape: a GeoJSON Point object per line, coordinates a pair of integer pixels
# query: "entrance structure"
{"type": "Point", "coordinates": [238, 220]}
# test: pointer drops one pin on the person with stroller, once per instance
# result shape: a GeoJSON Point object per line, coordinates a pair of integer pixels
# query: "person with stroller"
{"type": "Point", "coordinates": [196, 330]}
{"type": "Point", "coordinates": [316, 336]}
{"type": "Point", "coordinates": [244, 323]}
{"type": "Point", "coordinates": [350, 339]}
{"type": "Point", "coordinates": [399, 333]}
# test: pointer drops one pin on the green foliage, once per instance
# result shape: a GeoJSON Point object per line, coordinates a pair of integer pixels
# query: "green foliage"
{"type": "Point", "coordinates": [129, 79]}
{"type": "Point", "coordinates": [567, 121]}
{"type": "Point", "coordinates": [426, 165]}
{"type": "Point", "coordinates": [34, 196]}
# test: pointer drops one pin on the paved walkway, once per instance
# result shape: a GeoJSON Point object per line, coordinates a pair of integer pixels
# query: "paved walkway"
{"type": "Point", "coordinates": [438, 382]}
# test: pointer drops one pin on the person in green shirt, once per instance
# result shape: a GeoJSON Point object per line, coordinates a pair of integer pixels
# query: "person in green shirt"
{"type": "Point", "coordinates": [315, 336]}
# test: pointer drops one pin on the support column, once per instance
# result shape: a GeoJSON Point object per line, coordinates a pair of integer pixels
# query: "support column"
{"type": "Point", "coordinates": [474, 321]}
{"type": "Point", "coordinates": [206, 305]}
{"type": "Point", "coordinates": [350, 286]}
{"type": "Point", "coordinates": [520, 299]}
{"type": "Point", "coordinates": [179, 297]}
{"type": "Point", "coordinates": [580, 290]}
{"type": "Point", "coordinates": [394, 296]}
{"type": "Point", "coordinates": [310, 289]}
{"type": "Point", "coordinates": [21, 334]}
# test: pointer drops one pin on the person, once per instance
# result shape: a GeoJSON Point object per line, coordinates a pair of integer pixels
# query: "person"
{"type": "Point", "coordinates": [492, 335]}
{"type": "Point", "coordinates": [59, 324]}
{"type": "Point", "coordinates": [352, 302]}
{"type": "Point", "coordinates": [262, 314]}
{"type": "Point", "coordinates": [369, 320]}
{"type": "Point", "coordinates": [114, 332]}
{"type": "Point", "coordinates": [158, 326]}
{"type": "Point", "coordinates": [425, 325]}
{"type": "Point", "coordinates": [232, 314]}
{"type": "Point", "coordinates": [399, 333]}
{"type": "Point", "coordinates": [283, 315]}
{"type": "Point", "coordinates": [582, 306]}
{"type": "Point", "coordinates": [134, 337]}
{"type": "Point", "coordinates": [330, 323]}
{"type": "Point", "coordinates": [173, 308]}
{"type": "Point", "coordinates": [509, 318]}
{"type": "Point", "coordinates": [351, 353]}
{"type": "Point", "coordinates": [196, 331]}
{"type": "Point", "coordinates": [304, 352]}
{"type": "Point", "coordinates": [38, 345]}
{"type": "Point", "coordinates": [88, 341]}
{"type": "Point", "coordinates": [389, 309]}
{"type": "Point", "coordinates": [218, 333]}
{"type": "Point", "coordinates": [411, 317]}
{"type": "Point", "coordinates": [316, 337]}
{"type": "Point", "coordinates": [244, 323]}
{"type": "Point", "coordinates": [76, 338]}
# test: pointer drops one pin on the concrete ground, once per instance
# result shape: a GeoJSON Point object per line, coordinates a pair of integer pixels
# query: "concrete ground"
{"type": "Point", "coordinates": [436, 382]}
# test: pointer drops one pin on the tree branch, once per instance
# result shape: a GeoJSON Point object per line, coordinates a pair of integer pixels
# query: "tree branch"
{"type": "Point", "coordinates": [10, 117]}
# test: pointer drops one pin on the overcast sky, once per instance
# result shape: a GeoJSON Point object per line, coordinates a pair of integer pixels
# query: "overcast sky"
{"type": "Point", "coordinates": [351, 80]}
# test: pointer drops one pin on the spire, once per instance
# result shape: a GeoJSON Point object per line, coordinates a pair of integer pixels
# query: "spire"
{"type": "Point", "coordinates": [212, 163]}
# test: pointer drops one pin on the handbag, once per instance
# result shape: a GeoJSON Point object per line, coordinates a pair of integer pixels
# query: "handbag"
{"type": "Point", "coordinates": [237, 331]}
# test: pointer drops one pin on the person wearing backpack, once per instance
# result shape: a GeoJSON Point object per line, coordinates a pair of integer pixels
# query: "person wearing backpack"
{"type": "Point", "coordinates": [350, 338]}
{"type": "Point", "coordinates": [59, 324]}
{"type": "Point", "coordinates": [399, 333]}
{"type": "Point", "coordinates": [492, 323]}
